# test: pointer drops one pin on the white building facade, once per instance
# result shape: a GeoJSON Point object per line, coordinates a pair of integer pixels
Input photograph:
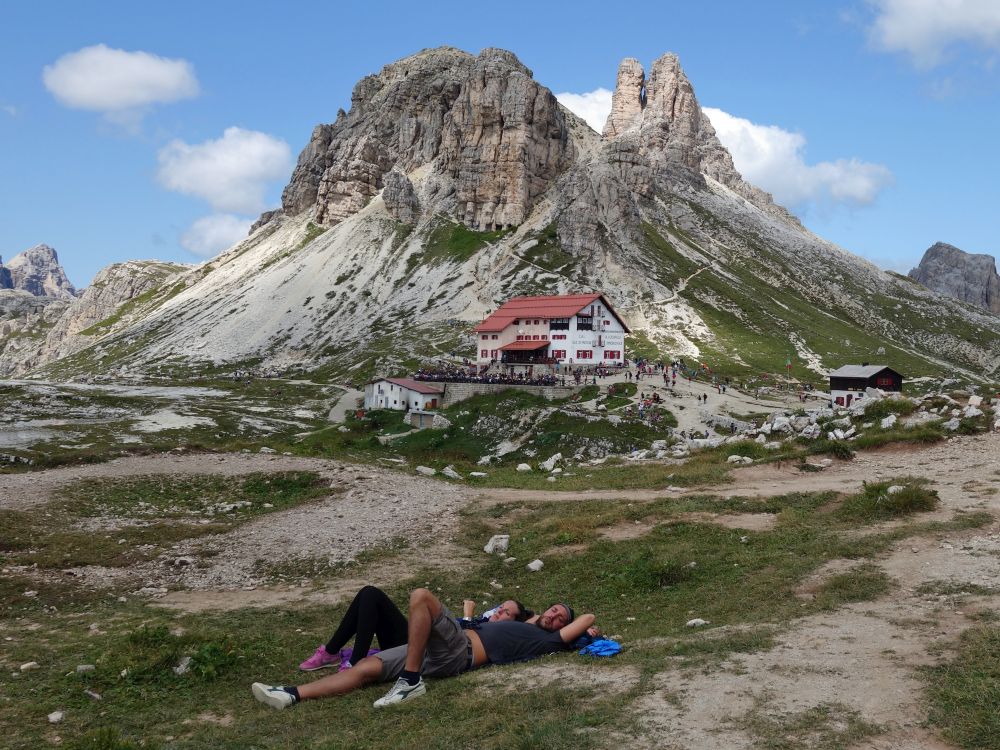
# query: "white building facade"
{"type": "Point", "coordinates": [571, 329]}
{"type": "Point", "coordinates": [402, 394]}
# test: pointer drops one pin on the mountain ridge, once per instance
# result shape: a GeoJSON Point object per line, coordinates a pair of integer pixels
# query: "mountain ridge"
{"type": "Point", "coordinates": [457, 181]}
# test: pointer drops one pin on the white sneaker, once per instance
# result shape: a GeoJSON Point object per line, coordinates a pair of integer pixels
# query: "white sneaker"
{"type": "Point", "coordinates": [273, 696]}
{"type": "Point", "coordinates": [401, 692]}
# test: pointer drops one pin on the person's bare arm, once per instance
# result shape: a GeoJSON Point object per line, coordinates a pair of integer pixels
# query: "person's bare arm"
{"type": "Point", "coordinates": [575, 629]}
{"type": "Point", "coordinates": [468, 609]}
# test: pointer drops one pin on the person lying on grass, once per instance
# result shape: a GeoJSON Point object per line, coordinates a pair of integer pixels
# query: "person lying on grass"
{"type": "Point", "coordinates": [372, 614]}
{"type": "Point", "coordinates": [439, 647]}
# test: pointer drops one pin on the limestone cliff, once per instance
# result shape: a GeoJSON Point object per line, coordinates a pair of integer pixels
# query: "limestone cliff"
{"type": "Point", "coordinates": [497, 138]}
{"type": "Point", "coordinates": [965, 276]}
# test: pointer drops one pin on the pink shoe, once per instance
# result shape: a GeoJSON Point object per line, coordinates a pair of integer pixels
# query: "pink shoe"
{"type": "Point", "coordinates": [319, 660]}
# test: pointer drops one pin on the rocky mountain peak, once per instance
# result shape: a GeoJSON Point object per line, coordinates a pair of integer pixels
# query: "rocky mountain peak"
{"type": "Point", "coordinates": [966, 276]}
{"type": "Point", "coordinates": [38, 272]}
{"type": "Point", "coordinates": [494, 137]}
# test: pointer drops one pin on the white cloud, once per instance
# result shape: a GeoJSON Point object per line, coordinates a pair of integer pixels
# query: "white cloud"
{"type": "Point", "coordinates": [231, 173]}
{"type": "Point", "coordinates": [210, 234]}
{"type": "Point", "coordinates": [593, 106]}
{"type": "Point", "coordinates": [772, 158]}
{"type": "Point", "coordinates": [115, 81]}
{"type": "Point", "coordinates": [925, 29]}
{"type": "Point", "coordinates": [11, 110]}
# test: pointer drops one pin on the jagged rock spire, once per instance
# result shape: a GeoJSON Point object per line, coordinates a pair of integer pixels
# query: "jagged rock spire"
{"type": "Point", "coordinates": [628, 100]}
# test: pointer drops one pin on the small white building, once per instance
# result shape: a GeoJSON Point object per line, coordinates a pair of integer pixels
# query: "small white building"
{"type": "Point", "coordinates": [403, 394]}
{"type": "Point", "coordinates": [573, 329]}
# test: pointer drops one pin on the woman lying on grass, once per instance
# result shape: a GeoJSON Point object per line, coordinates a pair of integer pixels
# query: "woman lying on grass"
{"type": "Point", "coordinates": [438, 646]}
{"type": "Point", "coordinates": [372, 614]}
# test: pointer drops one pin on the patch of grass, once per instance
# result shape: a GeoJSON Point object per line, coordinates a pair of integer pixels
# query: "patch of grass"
{"type": "Point", "coordinates": [953, 588]}
{"type": "Point", "coordinates": [876, 503]}
{"type": "Point", "coordinates": [921, 434]}
{"type": "Point", "coordinates": [866, 582]}
{"type": "Point", "coordinates": [169, 510]}
{"type": "Point", "coordinates": [964, 693]}
{"type": "Point", "coordinates": [882, 408]}
{"type": "Point", "coordinates": [450, 242]}
{"type": "Point", "coordinates": [833, 448]}
{"type": "Point", "coordinates": [828, 726]}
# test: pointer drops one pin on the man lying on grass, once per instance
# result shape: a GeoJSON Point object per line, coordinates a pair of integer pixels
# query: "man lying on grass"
{"type": "Point", "coordinates": [437, 646]}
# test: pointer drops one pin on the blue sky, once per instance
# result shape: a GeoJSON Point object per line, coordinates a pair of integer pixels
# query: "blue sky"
{"type": "Point", "coordinates": [160, 132]}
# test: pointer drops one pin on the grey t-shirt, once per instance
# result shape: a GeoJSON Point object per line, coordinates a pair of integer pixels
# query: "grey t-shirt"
{"type": "Point", "coordinates": [508, 641]}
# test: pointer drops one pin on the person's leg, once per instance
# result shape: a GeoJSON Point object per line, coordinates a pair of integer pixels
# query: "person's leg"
{"type": "Point", "coordinates": [377, 616]}
{"type": "Point", "coordinates": [365, 672]}
{"type": "Point", "coordinates": [424, 607]}
{"type": "Point", "coordinates": [348, 623]}
{"type": "Point", "coordinates": [391, 628]}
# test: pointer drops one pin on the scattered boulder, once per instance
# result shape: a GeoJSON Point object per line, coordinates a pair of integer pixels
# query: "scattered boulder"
{"type": "Point", "coordinates": [29, 666]}
{"type": "Point", "coordinates": [440, 422]}
{"type": "Point", "coordinates": [523, 467]}
{"type": "Point", "coordinates": [550, 463]}
{"type": "Point", "coordinates": [773, 445]}
{"type": "Point", "coordinates": [951, 424]}
{"type": "Point", "coordinates": [972, 411]}
{"type": "Point", "coordinates": [478, 474]}
{"type": "Point", "coordinates": [697, 622]}
{"type": "Point", "coordinates": [265, 449]}
{"type": "Point", "coordinates": [427, 471]}
{"type": "Point", "coordinates": [535, 565]}
{"type": "Point", "coordinates": [450, 472]}
{"type": "Point", "coordinates": [56, 716]}
{"type": "Point", "coordinates": [781, 424]}
{"type": "Point", "coordinates": [895, 489]}
{"type": "Point", "coordinates": [888, 423]}
{"type": "Point", "coordinates": [81, 668]}
{"type": "Point", "coordinates": [498, 544]}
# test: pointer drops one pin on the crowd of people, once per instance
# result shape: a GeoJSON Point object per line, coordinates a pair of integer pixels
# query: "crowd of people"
{"type": "Point", "coordinates": [470, 375]}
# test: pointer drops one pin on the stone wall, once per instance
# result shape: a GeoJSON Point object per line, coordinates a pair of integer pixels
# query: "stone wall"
{"type": "Point", "coordinates": [455, 392]}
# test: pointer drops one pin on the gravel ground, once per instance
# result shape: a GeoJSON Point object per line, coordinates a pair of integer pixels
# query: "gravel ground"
{"type": "Point", "coordinates": [377, 507]}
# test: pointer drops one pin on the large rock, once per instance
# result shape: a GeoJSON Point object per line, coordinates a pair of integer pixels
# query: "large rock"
{"type": "Point", "coordinates": [400, 198]}
{"type": "Point", "coordinates": [965, 276]}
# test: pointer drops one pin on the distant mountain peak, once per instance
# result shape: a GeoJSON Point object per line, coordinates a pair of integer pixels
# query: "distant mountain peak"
{"type": "Point", "coordinates": [965, 276]}
{"type": "Point", "coordinates": [38, 272]}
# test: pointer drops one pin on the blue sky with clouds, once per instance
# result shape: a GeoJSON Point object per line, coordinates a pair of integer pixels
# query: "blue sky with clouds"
{"type": "Point", "coordinates": [162, 130]}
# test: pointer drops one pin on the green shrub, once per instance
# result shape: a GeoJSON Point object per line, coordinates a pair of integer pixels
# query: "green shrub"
{"type": "Point", "coordinates": [835, 448]}
{"type": "Point", "coordinates": [212, 659]}
{"type": "Point", "coordinates": [875, 503]}
{"type": "Point", "coordinates": [882, 408]}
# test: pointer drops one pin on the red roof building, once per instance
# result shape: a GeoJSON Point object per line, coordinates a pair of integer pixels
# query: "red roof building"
{"type": "Point", "coordinates": [567, 328]}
